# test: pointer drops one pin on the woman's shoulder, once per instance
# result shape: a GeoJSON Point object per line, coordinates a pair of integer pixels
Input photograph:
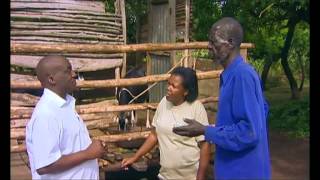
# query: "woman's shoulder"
{"type": "Point", "coordinates": [196, 104]}
{"type": "Point", "coordinates": [163, 102]}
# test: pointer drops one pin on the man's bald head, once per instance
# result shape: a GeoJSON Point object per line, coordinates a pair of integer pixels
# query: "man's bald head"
{"type": "Point", "coordinates": [228, 29]}
{"type": "Point", "coordinates": [49, 65]}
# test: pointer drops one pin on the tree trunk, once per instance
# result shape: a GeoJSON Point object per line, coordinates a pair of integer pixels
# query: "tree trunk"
{"type": "Point", "coordinates": [284, 59]}
{"type": "Point", "coordinates": [302, 71]}
{"type": "Point", "coordinates": [265, 72]}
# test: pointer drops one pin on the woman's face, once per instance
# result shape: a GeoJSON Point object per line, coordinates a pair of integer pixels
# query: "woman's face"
{"type": "Point", "coordinates": [176, 92]}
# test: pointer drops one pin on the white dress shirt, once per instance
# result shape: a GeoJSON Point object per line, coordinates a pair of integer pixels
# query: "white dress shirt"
{"type": "Point", "coordinates": [56, 129]}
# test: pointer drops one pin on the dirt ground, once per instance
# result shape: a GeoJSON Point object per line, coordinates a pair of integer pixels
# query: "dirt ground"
{"type": "Point", "coordinates": [289, 158]}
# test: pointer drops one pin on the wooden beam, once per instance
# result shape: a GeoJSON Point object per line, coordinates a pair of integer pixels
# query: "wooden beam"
{"type": "Point", "coordinates": [91, 6]}
{"type": "Point", "coordinates": [78, 64]}
{"type": "Point", "coordinates": [172, 29]}
{"type": "Point", "coordinates": [25, 112]}
{"type": "Point", "coordinates": [89, 119]}
{"type": "Point", "coordinates": [25, 99]}
{"type": "Point", "coordinates": [35, 18]}
{"type": "Point", "coordinates": [244, 54]}
{"type": "Point", "coordinates": [105, 138]}
{"type": "Point", "coordinates": [117, 76]}
{"type": "Point", "coordinates": [124, 33]}
{"type": "Point", "coordinates": [59, 25]}
{"type": "Point", "coordinates": [98, 48]}
{"type": "Point", "coordinates": [65, 34]}
{"type": "Point", "coordinates": [186, 32]}
{"type": "Point", "coordinates": [116, 82]}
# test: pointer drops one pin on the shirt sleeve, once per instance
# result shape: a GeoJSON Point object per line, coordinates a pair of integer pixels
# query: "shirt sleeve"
{"type": "Point", "coordinates": [202, 117]}
{"type": "Point", "coordinates": [247, 117]}
{"type": "Point", "coordinates": [45, 140]}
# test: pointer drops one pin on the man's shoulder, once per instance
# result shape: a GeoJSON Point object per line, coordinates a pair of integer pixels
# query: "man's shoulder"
{"type": "Point", "coordinates": [43, 108]}
{"type": "Point", "coordinates": [246, 70]}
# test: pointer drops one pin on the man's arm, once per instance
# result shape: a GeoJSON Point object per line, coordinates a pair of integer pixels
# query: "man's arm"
{"type": "Point", "coordinates": [65, 162]}
{"type": "Point", "coordinates": [249, 117]}
{"type": "Point", "coordinates": [204, 160]}
{"type": "Point", "coordinates": [245, 132]}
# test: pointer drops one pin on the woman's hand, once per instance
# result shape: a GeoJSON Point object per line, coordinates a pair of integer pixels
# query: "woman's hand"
{"type": "Point", "coordinates": [128, 161]}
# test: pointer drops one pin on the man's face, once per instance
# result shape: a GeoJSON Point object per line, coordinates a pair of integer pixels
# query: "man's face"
{"type": "Point", "coordinates": [218, 46]}
{"type": "Point", "coordinates": [65, 77]}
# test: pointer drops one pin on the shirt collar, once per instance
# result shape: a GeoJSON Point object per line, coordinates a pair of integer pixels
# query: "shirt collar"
{"type": "Point", "coordinates": [226, 72]}
{"type": "Point", "coordinates": [59, 101]}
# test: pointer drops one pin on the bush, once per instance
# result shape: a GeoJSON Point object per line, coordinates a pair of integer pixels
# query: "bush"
{"type": "Point", "coordinates": [292, 117]}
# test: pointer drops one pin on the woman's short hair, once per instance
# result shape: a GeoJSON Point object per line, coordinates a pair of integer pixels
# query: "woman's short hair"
{"type": "Point", "coordinates": [190, 82]}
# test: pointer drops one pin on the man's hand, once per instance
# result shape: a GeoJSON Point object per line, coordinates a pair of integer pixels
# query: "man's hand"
{"type": "Point", "coordinates": [95, 149]}
{"type": "Point", "coordinates": [194, 128]}
{"type": "Point", "coordinates": [65, 162]}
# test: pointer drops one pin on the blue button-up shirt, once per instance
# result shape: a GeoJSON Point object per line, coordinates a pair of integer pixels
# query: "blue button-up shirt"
{"type": "Point", "coordinates": [240, 133]}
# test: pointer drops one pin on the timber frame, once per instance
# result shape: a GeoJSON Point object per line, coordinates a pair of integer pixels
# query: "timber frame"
{"type": "Point", "coordinates": [101, 114]}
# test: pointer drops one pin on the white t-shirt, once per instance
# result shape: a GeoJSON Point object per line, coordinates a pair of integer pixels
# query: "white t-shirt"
{"type": "Point", "coordinates": [179, 155]}
{"type": "Point", "coordinates": [56, 129]}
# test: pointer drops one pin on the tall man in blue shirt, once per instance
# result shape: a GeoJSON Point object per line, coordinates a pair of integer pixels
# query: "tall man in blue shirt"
{"type": "Point", "coordinates": [240, 133]}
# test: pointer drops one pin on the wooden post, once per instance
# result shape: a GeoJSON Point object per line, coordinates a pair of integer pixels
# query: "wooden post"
{"type": "Point", "coordinates": [244, 54]}
{"type": "Point", "coordinates": [117, 9]}
{"type": "Point", "coordinates": [117, 77]}
{"type": "Point", "coordinates": [186, 34]}
{"type": "Point", "coordinates": [149, 64]}
{"type": "Point", "coordinates": [172, 13]}
{"type": "Point", "coordinates": [124, 33]}
{"type": "Point", "coordinates": [19, 48]}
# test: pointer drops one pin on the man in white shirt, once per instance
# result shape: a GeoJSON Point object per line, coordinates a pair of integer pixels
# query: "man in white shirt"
{"type": "Point", "coordinates": [58, 142]}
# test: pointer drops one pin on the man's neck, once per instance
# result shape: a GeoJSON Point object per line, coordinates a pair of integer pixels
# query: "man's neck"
{"type": "Point", "coordinates": [230, 59]}
{"type": "Point", "coordinates": [59, 93]}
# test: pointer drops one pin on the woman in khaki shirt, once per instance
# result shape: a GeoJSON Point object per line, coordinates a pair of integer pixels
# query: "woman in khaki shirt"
{"type": "Point", "coordinates": [180, 157]}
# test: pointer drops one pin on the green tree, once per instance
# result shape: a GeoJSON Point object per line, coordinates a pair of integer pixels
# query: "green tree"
{"type": "Point", "coordinates": [269, 24]}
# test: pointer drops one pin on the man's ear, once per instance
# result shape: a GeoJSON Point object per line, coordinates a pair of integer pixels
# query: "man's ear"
{"type": "Point", "coordinates": [51, 80]}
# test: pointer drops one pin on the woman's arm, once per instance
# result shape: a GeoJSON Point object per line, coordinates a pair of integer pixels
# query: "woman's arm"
{"type": "Point", "coordinates": [204, 160]}
{"type": "Point", "coordinates": [150, 142]}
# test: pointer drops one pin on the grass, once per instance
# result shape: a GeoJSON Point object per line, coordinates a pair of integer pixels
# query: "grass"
{"type": "Point", "coordinates": [287, 115]}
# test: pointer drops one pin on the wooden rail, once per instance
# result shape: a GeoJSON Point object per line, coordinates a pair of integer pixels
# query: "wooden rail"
{"type": "Point", "coordinates": [115, 82]}
{"type": "Point", "coordinates": [18, 48]}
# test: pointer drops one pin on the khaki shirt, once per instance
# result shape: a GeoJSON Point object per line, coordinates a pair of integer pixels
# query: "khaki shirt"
{"type": "Point", "coordinates": [179, 155]}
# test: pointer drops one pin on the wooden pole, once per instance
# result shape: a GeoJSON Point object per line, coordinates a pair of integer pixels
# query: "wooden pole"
{"type": "Point", "coordinates": [116, 82]}
{"type": "Point", "coordinates": [124, 33]}
{"type": "Point", "coordinates": [244, 54]}
{"type": "Point", "coordinates": [117, 77]}
{"type": "Point", "coordinates": [25, 112]}
{"type": "Point", "coordinates": [94, 120]}
{"type": "Point", "coordinates": [172, 24]}
{"type": "Point", "coordinates": [19, 48]}
{"type": "Point", "coordinates": [186, 34]}
{"type": "Point", "coordinates": [105, 138]}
